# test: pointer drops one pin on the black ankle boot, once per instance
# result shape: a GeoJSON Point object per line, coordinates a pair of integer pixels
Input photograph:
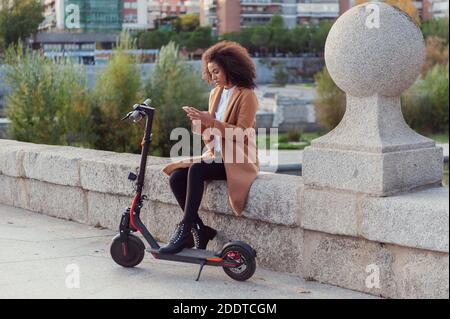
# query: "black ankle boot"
{"type": "Point", "coordinates": [181, 238]}
{"type": "Point", "coordinates": [202, 234]}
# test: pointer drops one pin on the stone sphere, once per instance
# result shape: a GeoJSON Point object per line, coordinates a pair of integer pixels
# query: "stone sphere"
{"type": "Point", "coordinates": [365, 58]}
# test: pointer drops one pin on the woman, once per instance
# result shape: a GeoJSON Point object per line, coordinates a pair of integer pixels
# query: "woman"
{"type": "Point", "coordinates": [228, 130]}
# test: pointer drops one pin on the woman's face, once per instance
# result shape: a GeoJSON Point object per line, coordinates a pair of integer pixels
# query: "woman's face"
{"type": "Point", "coordinates": [218, 75]}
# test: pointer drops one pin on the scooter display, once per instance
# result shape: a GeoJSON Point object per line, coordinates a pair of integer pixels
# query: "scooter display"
{"type": "Point", "coordinates": [237, 258]}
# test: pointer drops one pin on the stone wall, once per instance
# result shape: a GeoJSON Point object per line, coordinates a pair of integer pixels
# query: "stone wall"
{"type": "Point", "coordinates": [323, 235]}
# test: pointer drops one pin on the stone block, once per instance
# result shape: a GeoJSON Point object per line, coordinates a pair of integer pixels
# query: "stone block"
{"type": "Point", "coordinates": [376, 268]}
{"type": "Point", "coordinates": [416, 220]}
{"type": "Point", "coordinates": [57, 165]}
{"type": "Point", "coordinates": [12, 154]}
{"type": "Point", "coordinates": [419, 219]}
{"type": "Point", "coordinates": [380, 174]}
{"type": "Point", "coordinates": [13, 191]}
{"type": "Point", "coordinates": [272, 198]}
{"type": "Point", "coordinates": [109, 173]}
{"type": "Point", "coordinates": [60, 201]}
{"type": "Point", "coordinates": [334, 212]}
{"type": "Point", "coordinates": [156, 185]}
{"type": "Point", "coordinates": [105, 210]}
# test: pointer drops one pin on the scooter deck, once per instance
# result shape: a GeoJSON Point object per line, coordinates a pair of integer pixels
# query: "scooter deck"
{"type": "Point", "coordinates": [195, 256]}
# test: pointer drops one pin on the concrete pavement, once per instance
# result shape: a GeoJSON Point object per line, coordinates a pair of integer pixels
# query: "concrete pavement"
{"type": "Point", "coordinates": [46, 257]}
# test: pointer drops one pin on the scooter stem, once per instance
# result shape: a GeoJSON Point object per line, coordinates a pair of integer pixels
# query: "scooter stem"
{"type": "Point", "coordinates": [144, 154]}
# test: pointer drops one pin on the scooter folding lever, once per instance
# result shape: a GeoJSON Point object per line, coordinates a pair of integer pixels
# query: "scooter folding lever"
{"type": "Point", "coordinates": [144, 197]}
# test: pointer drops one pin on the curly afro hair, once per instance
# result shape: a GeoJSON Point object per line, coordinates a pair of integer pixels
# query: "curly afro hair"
{"type": "Point", "coordinates": [234, 60]}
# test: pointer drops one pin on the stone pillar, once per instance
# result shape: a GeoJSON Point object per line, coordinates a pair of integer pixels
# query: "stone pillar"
{"type": "Point", "coordinates": [373, 54]}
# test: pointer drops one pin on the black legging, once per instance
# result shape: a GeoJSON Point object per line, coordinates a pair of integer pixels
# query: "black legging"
{"type": "Point", "coordinates": [187, 185]}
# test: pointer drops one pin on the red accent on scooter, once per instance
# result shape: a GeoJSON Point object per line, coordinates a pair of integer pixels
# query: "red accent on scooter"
{"type": "Point", "coordinates": [124, 249]}
{"type": "Point", "coordinates": [132, 210]}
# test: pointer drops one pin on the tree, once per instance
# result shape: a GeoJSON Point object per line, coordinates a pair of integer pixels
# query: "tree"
{"type": "Point", "coordinates": [201, 38]}
{"type": "Point", "coordinates": [172, 84]}
{"type": "Point", "coordinates": [154, 39]}
{"type": "Point", "coordinates": [279, 38]}
{"type": "Point", "coordinates": [407, 6]}
{"type": "Point", "coordinates": [276, 21]}
{"type": "Point", "coordinates": [19, 19]}
{"type": "Point", "coordinates": [319, 35]}
{"type": "Point", "coordinates": [117, 89]}
{"type": "Point", "coordinates": [299, 38]}
{"type": "Point", "coordinates": [245, 39]}
{"type": "Point", "coordinates": [189, 22]}
{"type": "Point", "coordinates": [232, 36]}
{"type": "Point", "coordinates": [261, 37]}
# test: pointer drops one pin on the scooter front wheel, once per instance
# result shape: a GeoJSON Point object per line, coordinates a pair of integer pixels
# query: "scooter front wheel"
{"type": "Point", "coordinates": [246, 260]}
{"type": "Point", "coordinates": [129, 253]}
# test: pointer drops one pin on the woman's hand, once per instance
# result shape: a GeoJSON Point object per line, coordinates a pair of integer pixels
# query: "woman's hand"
{"type": "Point", "coordinates": [204, 116]}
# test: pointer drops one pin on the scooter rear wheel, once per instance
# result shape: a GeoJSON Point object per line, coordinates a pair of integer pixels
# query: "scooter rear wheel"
{"type": "Point", "coordinates": [248, 263]}
{"type": "Point", "coordinates": [127, 254]}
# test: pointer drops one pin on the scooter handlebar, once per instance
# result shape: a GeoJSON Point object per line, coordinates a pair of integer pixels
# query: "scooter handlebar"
{"type": "Point", "coordinates": [139, 111]}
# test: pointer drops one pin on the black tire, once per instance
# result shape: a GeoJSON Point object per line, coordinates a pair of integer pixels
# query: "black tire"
{"type": "Point", "coordinates": [248, 267]}
{"type": "Point", "coordinates": [135, 251]}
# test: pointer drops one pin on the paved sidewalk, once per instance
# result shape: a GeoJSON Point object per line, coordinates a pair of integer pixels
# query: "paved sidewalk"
{"type": "Point", "coordinates": [36, 251]}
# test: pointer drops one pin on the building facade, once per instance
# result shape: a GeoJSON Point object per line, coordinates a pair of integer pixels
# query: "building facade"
{"type": "Point", "coordinates": [228, 12]}
{"type": "Point", "coordinates": [231, 15]}
{"type": "Point", "coordinates": [94, 15]}
{"type": "Point", "coordinates": [224, 16]}
{"type": "Point", "coordinates": [164, 9]}
{"type": "Point", "coordinates": [440, 8]}
{"type": "Point", "coordinates": [134, 15]}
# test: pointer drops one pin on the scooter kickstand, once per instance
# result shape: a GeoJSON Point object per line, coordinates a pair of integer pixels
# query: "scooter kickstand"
{"type": "Point", "coordinates": [201, 268]}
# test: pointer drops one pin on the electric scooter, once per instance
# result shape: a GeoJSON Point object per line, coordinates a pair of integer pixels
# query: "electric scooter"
{"type": "Point", "coordinates": [236, 257]}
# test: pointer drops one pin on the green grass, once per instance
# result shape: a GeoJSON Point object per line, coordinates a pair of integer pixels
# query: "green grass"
{"type": "Point", "coordinates": [309, 136]}
{"type": "Point", "coordinates": [283, 140]}
{"type": "Point", "coordinates": [287, 146]}
{"type": "Point", "coordinates": [440, 138]}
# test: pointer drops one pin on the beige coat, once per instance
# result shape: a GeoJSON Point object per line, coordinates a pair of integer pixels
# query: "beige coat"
{"type": "Point", "coordinates": [240, 113]}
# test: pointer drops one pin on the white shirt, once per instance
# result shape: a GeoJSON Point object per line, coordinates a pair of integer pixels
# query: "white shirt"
{"type": "Point", "coordinates": [219, 114]}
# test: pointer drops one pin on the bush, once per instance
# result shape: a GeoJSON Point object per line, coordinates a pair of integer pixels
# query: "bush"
{"type": "Point", "coordinates": [281, 75]}
{"type": "Point", "coordinates": [117, 89]}
{"type": "Point", "coordinates": [294, 135]}
{"type": "Point", "coordinates": [436, 28]}
{"type": "Point", "coordinates": [48, 103]}
{"type": "Point", "coordinates": [436, 53]}
{"type": "Point", "coordinates": [330, 101]}
{"type": "Point", "coordinates": [426, 104]}
{"type": "Point", "coordinates": [173, 84]}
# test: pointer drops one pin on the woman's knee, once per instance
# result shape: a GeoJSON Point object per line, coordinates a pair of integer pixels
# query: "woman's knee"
{"type": "Point", "coordinates": [195, 171]}
{"type": "Point", "coordinates": [177, 178]}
